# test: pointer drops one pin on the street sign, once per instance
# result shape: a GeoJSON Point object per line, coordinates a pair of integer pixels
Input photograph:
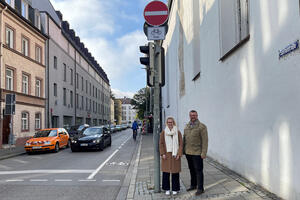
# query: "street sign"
{"type": "Point", "coordinates": [156, 13]}
{"type": "Point", "coordinates": [156, 33]}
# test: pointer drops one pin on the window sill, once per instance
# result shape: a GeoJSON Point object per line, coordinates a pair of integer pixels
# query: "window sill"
{"type": "Point", "coordinates": [241, 43]}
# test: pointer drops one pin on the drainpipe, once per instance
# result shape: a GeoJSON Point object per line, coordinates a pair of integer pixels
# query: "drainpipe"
{"type": "Point", "coordinates": [1, 61]}
{"type": "Point", "coordinates": [75, 90]}
{"type": "Point", "coordinates": [48, 74]}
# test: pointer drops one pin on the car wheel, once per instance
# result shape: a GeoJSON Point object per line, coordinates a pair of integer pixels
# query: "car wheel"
{"type": "Point", "coordinates": [68, 144]}
{"type": "Point", "coordinates": [101, 146]}
{"type": "Point", "coordinates": [56, 147]}
{"type": "Point", "coordinates": [29, 152]}
{"type": "Point", "coordinates": [109, 144]}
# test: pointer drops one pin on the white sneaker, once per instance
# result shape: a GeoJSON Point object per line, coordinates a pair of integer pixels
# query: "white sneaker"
{"type": "Point", "coordinates": [174, 192]}
{"type": "Point", "coordinates": [168, 192]}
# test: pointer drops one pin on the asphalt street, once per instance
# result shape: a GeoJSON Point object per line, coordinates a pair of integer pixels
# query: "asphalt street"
{"type": "Point", "coordinates": [66, 175]}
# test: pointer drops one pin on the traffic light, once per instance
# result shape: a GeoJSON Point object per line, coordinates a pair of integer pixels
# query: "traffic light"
{"type": "Point", "coordinates": [148, 61]}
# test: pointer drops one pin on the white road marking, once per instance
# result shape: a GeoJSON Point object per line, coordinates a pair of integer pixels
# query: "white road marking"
{"type": "Point", "coordinates": [70, 171]}
{"type": "Point", "coordinates": [63, 180]}
{"type": "Point", "coordinates": [38, 180]}
{"type": "Point", "coordinates": [20, 161]}
{"type": "Point", "coordinates": [103, 164]}
{"type": "Point", "coordinates": [14, 180]}
{"type": "Point", "coordinates": [111, 180]}
{"type": "Point", "coordinates": [87, 180]}
{"type": "Point", "coordinates": [155, 13]}
{"type": "Point", "coordinates": [5, 167]}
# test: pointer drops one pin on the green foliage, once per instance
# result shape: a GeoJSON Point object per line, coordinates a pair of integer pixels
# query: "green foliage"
{"type": "Point", "coordinates": [139, 101]}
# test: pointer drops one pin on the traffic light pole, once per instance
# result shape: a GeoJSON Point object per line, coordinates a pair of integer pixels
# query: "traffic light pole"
{"type": "Point", "coordinates": [156, 118]}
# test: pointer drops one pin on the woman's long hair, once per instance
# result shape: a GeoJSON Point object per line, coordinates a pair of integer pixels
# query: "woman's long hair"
{"type": "Point", "coordinates": [172, 118]}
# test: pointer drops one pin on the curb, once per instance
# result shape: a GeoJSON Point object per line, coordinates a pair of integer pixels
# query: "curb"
{"type": "Point", "coordinates": [11, 155]}
{"type": "Point", "coordinates": [131, 189]}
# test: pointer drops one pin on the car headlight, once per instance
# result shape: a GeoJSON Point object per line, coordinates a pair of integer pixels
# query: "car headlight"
{"type": "Point", "coordinates": [96, 141]}
{"type": "Point", "coordinates": [47, 142]}
{"type": "Point", "coordinates": [74, 141]}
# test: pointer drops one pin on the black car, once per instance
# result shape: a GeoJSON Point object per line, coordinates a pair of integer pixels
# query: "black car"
{"type": "Point", "coordinates": [97, 137]}
{"type": "Point", "coordinates": [77, 129]}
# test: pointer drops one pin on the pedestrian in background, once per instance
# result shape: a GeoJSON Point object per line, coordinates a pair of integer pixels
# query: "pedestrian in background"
{"type": "Point", "coordinates": [170, 146]}
{"type": "Point", "coordinates": [195, 143]}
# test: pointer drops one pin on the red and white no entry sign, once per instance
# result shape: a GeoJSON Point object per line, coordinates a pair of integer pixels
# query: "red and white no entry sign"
{"type": "Point", "coordinates": [156, 13]}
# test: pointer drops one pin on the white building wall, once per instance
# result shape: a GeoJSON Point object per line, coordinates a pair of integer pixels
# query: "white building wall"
{"type": "Point", "coordinates": [249, 101]}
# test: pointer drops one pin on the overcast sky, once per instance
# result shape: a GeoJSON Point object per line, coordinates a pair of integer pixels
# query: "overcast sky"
{"type": "Point", "coordinates": [112, 30]}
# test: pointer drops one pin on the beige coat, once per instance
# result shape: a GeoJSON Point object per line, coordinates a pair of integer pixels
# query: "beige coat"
{"type": "Point", "coordinates": [195, 139]}
{"type": "Point", "coordinates": [170, 164]}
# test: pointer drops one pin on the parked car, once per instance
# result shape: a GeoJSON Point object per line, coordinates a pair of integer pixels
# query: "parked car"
{"type": "Point", "coordinates": [124, 126]}
{"type": "Point", "coordinates": [77, 129]}
{"type": "Point", "coordinates": [118, 127]}
{"type": "Point", "coordinates": [47, 140]}
{"type": "Point", "coordinates": [97, 137]}
{"type": "Point", "coordinates": [113, 128]}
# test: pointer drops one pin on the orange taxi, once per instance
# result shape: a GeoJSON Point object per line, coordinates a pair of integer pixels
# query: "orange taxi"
{"type": "Point", "coordinates": [47, 140]}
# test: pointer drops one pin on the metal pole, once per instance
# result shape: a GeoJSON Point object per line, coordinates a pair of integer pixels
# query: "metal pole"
{"type": "Point", "coordinates": [156, 118]}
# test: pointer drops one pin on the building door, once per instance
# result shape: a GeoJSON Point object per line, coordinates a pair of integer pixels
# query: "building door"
{"type": "Point", "coordinates": [5, 136]}
{"type": "Point", "coordinates": [54, 121]}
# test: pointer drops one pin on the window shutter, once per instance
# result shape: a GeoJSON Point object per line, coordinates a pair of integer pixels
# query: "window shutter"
{"type": "Point", "coordinates": [228, 28]}
{"type": "Point", "coordinates": [18, 6]}
{"type": "Point", "coordinates": [31, 14]}
{"type": "Point", "coordinates": [244, 18]}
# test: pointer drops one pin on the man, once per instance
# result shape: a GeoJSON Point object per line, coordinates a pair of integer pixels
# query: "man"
{"type": "Point", "coordinates": [195, 142]}
{"type": "Point", "coordinates": [135, 127]}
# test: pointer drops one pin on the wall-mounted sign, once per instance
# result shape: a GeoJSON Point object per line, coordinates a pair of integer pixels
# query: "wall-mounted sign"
{"type": "Point", "coordinates": [290, 48]}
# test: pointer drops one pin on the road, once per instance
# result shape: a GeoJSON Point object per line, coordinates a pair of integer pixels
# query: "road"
{"type": "Point", "coordinates": [66, 175]}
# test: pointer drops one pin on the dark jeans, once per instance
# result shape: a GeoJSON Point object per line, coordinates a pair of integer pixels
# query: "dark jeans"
{"type": "Point", "coordinates": [166, 181]}
{"type": "Point", "coordinates": [196, 171]}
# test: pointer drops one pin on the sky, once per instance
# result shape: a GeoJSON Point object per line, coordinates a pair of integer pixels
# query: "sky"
{"type": "Point", "coordinates": [112, 30]}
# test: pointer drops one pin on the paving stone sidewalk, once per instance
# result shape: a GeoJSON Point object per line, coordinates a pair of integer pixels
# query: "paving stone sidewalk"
{"type": "Point", "coordinates": [8, 152]}
{"type": "Point", "coordinates": [220, 182]}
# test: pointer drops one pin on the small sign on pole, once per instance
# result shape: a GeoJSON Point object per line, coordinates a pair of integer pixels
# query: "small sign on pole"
{"type": "Point", "coordinates": [156, 33]}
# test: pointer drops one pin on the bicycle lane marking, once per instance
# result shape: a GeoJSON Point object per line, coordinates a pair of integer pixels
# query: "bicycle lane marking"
{"type": "Point", "coordinates": [92, 175]}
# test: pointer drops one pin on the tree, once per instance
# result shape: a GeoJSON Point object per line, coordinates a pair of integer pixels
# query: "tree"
{"type": "Point", "coordinates": [139, 102]}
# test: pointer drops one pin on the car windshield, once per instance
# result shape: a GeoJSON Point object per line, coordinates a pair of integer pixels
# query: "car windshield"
{"type": "Point", "coordinates": [92, 131]}
{"type": "Point", "coordinates": [81, 127]}
{"type": "Point", "coordinates": [73, 128]}
{"type": "Point", "coordinates": [45, 133]}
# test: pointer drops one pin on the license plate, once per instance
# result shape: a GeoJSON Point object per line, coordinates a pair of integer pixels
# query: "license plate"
{"type": "Point", "coordinates": [83, 145]}
{"type": "Point", "coordinates": [36, 147]}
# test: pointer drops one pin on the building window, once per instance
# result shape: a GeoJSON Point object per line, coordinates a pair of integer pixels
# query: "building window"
{"type": "Point", "coordinates": [71, 72]}
{"type": "Point", "coordinates": [234, 24]}
{"type": "Point", "coordinates": [10, 37]}
{"type": "Point", "coordinates": [25, 82]}
{"type": "Point", "coordinates": [11, 3]}
{"type": "Point", "coordinates": [82, 83]}
{"type": "Point", "coordinates": [38, 21]}
{"type": "Point", "coordinates": [65, 72]}
{"type": "Point", "coordinates": [55, 62]}
{"type": "Point", "coordinates": [90, 105]}
{"type": "Point", "coordinates": [25, 121]}
{"type": "Point", "coordinates": [93, 91]}
{"type": "Point", "coordinates": [86, 86]}
{"type": "Point", "coordinates": [37, 121]}
{"type": "Point", "coordinates": [9, 79]}
{"type": "Point", "coordinates": [38, 88]}
{"type": "Point", "coordinates": [71, 99]}
{"type": "Point", "coordinates": [77, 101]}
{"type": "Point", "coordinates": [87, 104]}
{"type": "Point", "coordinates": [55, 89]}
{"type": "Point", "coordinates": [77, 80]}
{"type": "Point", "coordinates": [38, 54]}
{"type": "Point", "coordinates": [90, 89]}
{"type": "Point", "coordinates": [82, 102]}
{"type": "Point", "coordinates": [25, 46]}
{"type": "Point", "coordinates": [24, 9]}
{"type": "Point", "coordinates": [64, 96]}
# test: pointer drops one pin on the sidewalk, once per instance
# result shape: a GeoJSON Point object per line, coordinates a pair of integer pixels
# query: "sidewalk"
{"type": "Point", "coordinates": [220, 182]}
{"type": "Point", "coordinates": [8, 152]}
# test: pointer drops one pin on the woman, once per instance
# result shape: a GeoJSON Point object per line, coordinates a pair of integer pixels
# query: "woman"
{"type": "Point", "coordinates": [170, 146]}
